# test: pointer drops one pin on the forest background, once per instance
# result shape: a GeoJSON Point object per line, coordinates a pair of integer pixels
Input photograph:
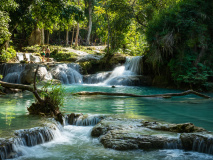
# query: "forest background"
{"type": "Point", "coordinates": [175, 36]}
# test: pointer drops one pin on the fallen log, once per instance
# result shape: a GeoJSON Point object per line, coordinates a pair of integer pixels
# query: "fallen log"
{"type": "Point", "coordinates": [166, 95]}
{"type": "Point", "coordinates": [16, 86]}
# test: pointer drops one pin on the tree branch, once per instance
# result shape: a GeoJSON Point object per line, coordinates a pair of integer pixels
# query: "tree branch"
{"type": "Point", "coordinates": [134, 95]}
{"type": "Point", "coordinates": [35, 92]}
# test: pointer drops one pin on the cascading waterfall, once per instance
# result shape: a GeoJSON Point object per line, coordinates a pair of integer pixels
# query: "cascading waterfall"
{"type": "Point", "coordinates": [12, 72]}
{"type": "Point", "coordinates": [11, 148]}
{"type": "Point", "coordinates": [14, 147]}
{"type": "Point", "coordinates": [123, 75]}
{"type": "Point", "coordinates": [67, 73]}
{"type": "Point", "coordinates": [82, 120]}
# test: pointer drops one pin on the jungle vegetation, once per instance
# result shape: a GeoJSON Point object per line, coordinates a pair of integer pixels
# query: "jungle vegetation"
{"type": "Point", "coordinates": [174, 35]}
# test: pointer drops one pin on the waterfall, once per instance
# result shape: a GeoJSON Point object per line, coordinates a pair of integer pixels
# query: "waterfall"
{"type": "Point", "coordinates": [203, 144]}
{"type": "Point", "coordinates": [125, 74]}
{"type": "Point", "coordinates": [83, 120]}
{"type": "Point", "coordinates": [11, 148]}
{"type": "Point", "coordinates": [11, 72]}
{"type": "Point", "coordinates": [67, 73]}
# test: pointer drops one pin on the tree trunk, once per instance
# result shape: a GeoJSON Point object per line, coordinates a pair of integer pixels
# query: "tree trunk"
{"type": "Point", "coordinates": [67, 37]}
{"type": "Point", "coordinates": [48, 37]}
{"type": "Point", "coordinates": [73, 32]}
{"type": "Point", "coordinates": [90, 23]}
{"type": "Point", "coordinates": [76, 37]}
{"type": "Point", "coordinates": [42, 36]}
{"type": "Point", "coordinates": [108, 32]}
{"type": "Point", "coordinates": [16, 86]}
{"type": "Point", "coordinates": [77, 33]}
{"type": "Point", "coordinates": [167, 95]}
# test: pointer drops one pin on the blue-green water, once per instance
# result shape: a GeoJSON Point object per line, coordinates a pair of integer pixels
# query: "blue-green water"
{"type": "Point", "coordinates": [75, 142]}
{"type": "Point", "coordinates": [183, 109]}
{"type": "Point", "coordinates": [190, 108]}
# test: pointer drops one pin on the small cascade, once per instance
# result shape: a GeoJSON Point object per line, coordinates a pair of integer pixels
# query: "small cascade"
{"type": "Point", "coordinates": [11, 148]}
{"type": "Point", "coordinates": [67, 73]}
{"type": "Point", "coordinates": [173, 144]}
{"type": "Point", "coordinates": [203, 144]}
{"type": "Point", "coordinates": [12, 72]}
{"type": "Point", "coordinates": [125, 75]}
{"type": "Point", "coordinates": [82, 120]}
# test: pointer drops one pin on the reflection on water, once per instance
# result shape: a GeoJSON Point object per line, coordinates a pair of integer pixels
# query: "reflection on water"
{"type": "Point", "coordinates": [14, 114]}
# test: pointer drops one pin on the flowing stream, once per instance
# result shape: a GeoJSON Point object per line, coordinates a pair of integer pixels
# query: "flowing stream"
{"type": "Point", "coordinates": [75, 141]}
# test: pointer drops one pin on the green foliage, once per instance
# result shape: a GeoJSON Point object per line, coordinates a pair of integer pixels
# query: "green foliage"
{"type": "Point", "coordinates": [7, 55]}
{"type": "Point", "coordinates": [183, 72]}
{"type": "Point", "coordinates": [4, 27]}
{"type": "Point", "coordinates": [181, 36]}
{"type": "Point", "coordinates": [54, 94]}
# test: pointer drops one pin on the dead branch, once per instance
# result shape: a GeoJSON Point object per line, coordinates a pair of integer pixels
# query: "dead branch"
{"type": "Point", "coordinates": [134, 95]}
{"type": "Point", "coordinates": [35, 91]}
{"type": "Point", "coordinates": [16, 86]}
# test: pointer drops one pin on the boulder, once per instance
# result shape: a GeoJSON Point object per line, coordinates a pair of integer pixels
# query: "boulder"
{"type": "Point", "coordinates": [126, 134]}
{"type": "Point", "coordinates": [178, 128]}
{"type": "Point", "coordinates": [126, 140]}
{"type": "Point", "coordinates": [27, 76]}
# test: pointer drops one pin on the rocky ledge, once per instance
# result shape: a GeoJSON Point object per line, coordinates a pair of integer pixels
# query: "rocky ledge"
{"type": "Point", "coordinates": [126, 134]}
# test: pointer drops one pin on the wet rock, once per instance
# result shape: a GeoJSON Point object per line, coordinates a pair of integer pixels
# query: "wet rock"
{"type": "Point", "coordinates": [72, 118]}
{"type": "Point", "coordinates": [126, 134]}
{"type": "Point", "coordinates": [179, 128]}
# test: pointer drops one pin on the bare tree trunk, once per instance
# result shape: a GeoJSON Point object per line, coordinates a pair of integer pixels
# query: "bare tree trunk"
{"type": "Point", "coordinates": [67, 37]}
{"type": "Point", "coordinates": [108, 32]}
{"type": "Point", "coordinates": [42, 36]}
{"type": "Point", "coordinates": [167, 95]}
{"type": "Point", "coordinates": [73, 31]}
{"type": "Point", "coordinates": [48, 37]}
{"type": "Point", "coordinates": [90, 22]}
{"type": "Point", "coordinates": [77, 33]}
{"type": "Point", "coordinates": [76, 37]}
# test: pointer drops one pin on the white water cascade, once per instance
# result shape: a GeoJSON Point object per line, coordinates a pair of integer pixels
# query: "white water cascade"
{"type": "Point", "coordinates": [12, 73]}
{"type": "Point", "coordinates": [66, 73]}
{"type": "Point", "coordinates": [29, 57]}
{"type": "Point", "coordinates": [123, 75]}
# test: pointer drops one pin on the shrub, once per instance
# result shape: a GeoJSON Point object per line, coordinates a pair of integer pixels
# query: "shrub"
{"type": "Point", "coordinates": [7, 55]}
